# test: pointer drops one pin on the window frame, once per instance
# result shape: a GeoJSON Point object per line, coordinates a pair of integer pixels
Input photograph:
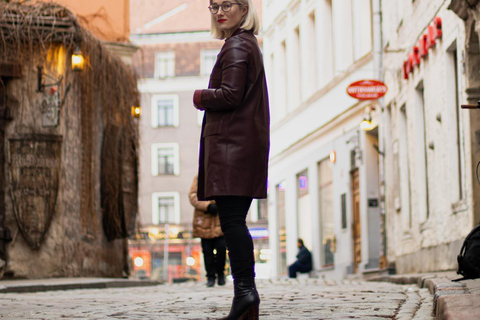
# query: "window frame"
{"type": "Point", "coordinates": [176, 109]}
{"type": "Point", "coordinates": [176, 207]}
{"type": "Point", "coordinates": [164, 55]}
{"type": "Point", "coordinates": [176, 158]}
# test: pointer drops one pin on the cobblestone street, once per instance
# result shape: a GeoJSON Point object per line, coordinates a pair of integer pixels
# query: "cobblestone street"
{"type": "Point", "coordinates": [281, 299]}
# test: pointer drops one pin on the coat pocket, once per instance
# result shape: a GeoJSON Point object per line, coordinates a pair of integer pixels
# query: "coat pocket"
{"type": "Point", "coordinates": [212, 128]}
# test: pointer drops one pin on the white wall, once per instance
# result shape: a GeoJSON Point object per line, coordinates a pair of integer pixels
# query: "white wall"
{"type": "Point", "coordinates": [430, 177]}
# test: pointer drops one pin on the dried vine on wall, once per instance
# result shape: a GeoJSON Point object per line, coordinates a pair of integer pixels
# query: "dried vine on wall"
{"type": "Point", "coordinates": [108, 89]}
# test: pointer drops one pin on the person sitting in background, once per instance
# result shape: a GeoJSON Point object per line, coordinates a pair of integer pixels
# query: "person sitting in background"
{"type": "Point", "coordinates": [206, 226]}
{"type": "Point", "coordinates": [303, 263]}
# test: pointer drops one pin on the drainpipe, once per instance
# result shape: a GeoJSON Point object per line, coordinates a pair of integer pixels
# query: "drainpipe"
{"type": "Point", "coordinates": [378, 67]}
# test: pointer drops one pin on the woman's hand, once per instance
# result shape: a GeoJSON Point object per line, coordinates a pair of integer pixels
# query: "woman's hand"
{"type": "Point", "coordinates": [197, 100]}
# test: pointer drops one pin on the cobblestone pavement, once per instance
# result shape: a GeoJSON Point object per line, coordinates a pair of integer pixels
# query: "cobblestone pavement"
{"type": "Point", "coordinates": [282, 299]}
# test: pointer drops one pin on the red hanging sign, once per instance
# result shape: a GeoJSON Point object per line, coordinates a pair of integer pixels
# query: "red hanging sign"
{"type": "Point", "coordinates": [367, 89]}
{"type": "Point", "coordinates": [425, 43]}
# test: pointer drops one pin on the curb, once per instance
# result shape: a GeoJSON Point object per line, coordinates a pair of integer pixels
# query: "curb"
{"type": "Point", "coordinates": [451, 300]}
{"type": "Point", "coordinates": [25, 286]}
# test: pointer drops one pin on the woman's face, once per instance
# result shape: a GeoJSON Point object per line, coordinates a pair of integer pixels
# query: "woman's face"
{"type": "Point", "coordinates": [228, 21]}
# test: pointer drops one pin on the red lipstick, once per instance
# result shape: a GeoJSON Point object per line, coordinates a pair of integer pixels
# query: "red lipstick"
{"type": "Point", "coordinates": [222, 20]}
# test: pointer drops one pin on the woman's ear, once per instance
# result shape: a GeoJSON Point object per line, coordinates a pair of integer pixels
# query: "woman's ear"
{"type": "Point", "coordinates": [245, 9]}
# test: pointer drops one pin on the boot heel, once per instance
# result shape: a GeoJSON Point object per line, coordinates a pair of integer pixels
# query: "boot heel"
{"type": "Point", "coordinates": [254, 313]}
{"type": "Point", "coordinates": [251, 314]}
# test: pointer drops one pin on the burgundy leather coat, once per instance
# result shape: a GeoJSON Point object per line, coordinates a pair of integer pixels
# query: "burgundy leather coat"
{"type": "Point", "coordinates": [235, 138]}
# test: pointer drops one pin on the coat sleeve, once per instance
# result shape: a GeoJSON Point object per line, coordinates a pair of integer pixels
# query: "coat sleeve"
{"type": "Point", "coordinates": [192, 195]}
{"type": "Point", "coordinates": [234, 64]}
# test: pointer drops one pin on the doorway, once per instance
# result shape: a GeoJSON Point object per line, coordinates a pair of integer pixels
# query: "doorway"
{"type": "Point", "coordinates": [356, 227]}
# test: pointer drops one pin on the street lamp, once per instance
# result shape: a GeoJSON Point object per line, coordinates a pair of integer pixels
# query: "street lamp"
{"type": "Point", "coordinates": [138, 261]}
{"type": "Point", "coordinates": [366, 124]}
{"type": "Point", "coordinates": [190, 261]}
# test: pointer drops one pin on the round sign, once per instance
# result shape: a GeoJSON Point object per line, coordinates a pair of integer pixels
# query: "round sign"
{"type": "Point", "coordinates": [367, 89]}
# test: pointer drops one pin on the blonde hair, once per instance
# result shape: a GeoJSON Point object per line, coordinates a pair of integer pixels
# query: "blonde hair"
{"type": "Point", "coordinates": [251, 22]}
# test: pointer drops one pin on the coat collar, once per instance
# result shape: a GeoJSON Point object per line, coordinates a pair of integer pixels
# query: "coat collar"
{"type": "Point", "coordinates": [237, 32]}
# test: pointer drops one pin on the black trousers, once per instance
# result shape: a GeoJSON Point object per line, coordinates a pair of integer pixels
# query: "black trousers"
{"type": "Point", "coordinates": [233, 213]}
{"type": "Point", "coordinates": [297, 267]}
{"type": "Point", "coordinates": [214, 262]}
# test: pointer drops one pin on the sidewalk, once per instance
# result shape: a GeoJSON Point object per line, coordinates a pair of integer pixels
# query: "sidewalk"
{"type": "Point", "coordinates": [23, 286]}
{"type": "Point", "coordinates": [451, 300]}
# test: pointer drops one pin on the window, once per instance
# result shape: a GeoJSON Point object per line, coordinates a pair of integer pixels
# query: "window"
{"type": "Point", "coordinates": [362, 28]}
{"type": "Point", "coordinates": [258, 210]}
{"type": "Point", "coordinates": [403, 156]}
{"type": "Point", "coordinates": [164, 64]}
{"type": "Point", "coordinates": [325, 50]}
{"type": "Point", "coordinates": [421, 169]}
{"type": "Point", "coordinates": [165, 159]}
{"type": "Point", "coordinates": [327, 215]}
{"type": "Point", "coordinates": [165, 111]}
{"type": "Point", "coordinates": [343, 35]}
{"type": "Point", "coordinates": [308, 56]}
{"type": "Point", "coordinates": [281, 227]}
{"type": "Point", "coordinates": [262, 209]}
{"type": "Point", "coordinates": [344, 210]}
{"type": "Point", "coordinates": [304, 215]}
{"type": "Point", "coordinates": [166, 207]}
{"type": "Point", "coordinates": [454, 143]}
{"type": "Point", "coordinates": [208, 58]}
{"type": "Point", "coordinates": [295, 72]}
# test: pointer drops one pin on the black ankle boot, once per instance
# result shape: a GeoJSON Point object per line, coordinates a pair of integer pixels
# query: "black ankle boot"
{"type": "Point", "coordinates": [245, 305]}
{"type": "Point", "coordinates": [211, 281]}
{"type": "Point", "coordinates": [221, 280]}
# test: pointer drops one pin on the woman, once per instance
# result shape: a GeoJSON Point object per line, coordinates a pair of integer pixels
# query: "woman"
{"type": "Point", "coordinates": [235, 140]}
{"type": "Point", "coordinates": [206, 226]}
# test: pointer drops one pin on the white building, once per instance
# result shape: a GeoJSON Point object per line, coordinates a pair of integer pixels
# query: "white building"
{"type": "Point", "coordinates": [431, 145]}
{"type": "Point", "coordinates": [324, 170]}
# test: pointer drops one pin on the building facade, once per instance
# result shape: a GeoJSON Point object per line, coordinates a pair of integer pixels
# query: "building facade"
{"type": "Point", "coordinates": [175, 59]}
{"type": "Point", "coordinates": [324, 182]}
{"type": "Point", "coordinates": [431, 151]}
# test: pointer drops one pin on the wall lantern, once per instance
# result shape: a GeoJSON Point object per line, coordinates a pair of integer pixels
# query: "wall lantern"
{"type": "Point", "coordinates": [136, 111]}
{"type": "Point", "coordinates": [366, 124]}
{"type": "Point", "coordinates": [333, 156]}
{"type": "Point", "coordinates": [78, 61]}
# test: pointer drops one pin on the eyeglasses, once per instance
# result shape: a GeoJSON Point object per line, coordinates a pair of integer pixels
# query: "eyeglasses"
{"type": "Point", "coordinates": [226, 6]}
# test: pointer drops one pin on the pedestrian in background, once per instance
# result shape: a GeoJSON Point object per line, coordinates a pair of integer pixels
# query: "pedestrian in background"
{"type": "Point", "coordinates": [206, 226]}
{"type": "Point", "coordinates": [303, 263]}
{"type": "Point", "coordinates": [235, 140]}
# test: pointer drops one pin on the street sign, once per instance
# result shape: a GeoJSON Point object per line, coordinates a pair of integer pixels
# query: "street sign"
{"type": "Point", "coordinates": [367, 89]}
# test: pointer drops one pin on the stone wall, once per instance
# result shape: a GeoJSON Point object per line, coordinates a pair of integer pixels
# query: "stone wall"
{"type": "Point", "coordinates": [73, 245]}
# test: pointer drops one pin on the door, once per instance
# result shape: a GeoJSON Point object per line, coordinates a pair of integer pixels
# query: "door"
{"type": "Point", "coordinates": [356, 227]}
